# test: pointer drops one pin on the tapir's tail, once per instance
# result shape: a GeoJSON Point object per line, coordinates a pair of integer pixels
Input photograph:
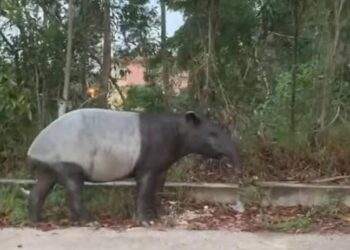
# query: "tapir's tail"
{"type": "Point", "coordinates": [32, 168]}
{"type": "Point", "coordinates": [31, 165]}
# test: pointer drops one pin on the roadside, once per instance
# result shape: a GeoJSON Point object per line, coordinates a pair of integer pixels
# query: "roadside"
{"type": "Point", "coordinates": [139, 238]}
{"type": "Point", "coordinates": [332, 218]}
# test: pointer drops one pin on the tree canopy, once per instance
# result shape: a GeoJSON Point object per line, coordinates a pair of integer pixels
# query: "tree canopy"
{"type": "Point", "coordinates": [271, 70]}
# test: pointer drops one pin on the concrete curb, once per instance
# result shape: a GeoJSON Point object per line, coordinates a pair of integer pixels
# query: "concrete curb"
{"type": "Point", "coordinates": [264, 193]}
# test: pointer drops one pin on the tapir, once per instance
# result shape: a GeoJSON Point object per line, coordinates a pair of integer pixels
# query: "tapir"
{"type": "Point", "coordinates": [100, 145]}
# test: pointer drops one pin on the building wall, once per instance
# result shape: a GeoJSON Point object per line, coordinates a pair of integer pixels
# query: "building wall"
{"type": "Point", "coordinates": [136, 74]}
{"type": "Point", "coordinates": [135, 77]}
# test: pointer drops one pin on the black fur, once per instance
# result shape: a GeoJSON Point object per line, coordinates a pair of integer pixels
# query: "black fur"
{"type": "Point", "coordinates": [164, 140]}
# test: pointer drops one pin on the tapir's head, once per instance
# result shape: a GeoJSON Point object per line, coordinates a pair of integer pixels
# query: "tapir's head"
{"type": "Point", "coordinates": [201, 136]}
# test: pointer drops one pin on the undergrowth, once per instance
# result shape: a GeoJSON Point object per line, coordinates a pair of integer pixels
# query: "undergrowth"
{"type": "Point", "coordinates": [268, 156]}
{"type": "Point", "coordinates": [299, 223]}
{"type": "Point", "coordinates": [99, 201]}
{"type": "Point", "coordinates": [116, 205]}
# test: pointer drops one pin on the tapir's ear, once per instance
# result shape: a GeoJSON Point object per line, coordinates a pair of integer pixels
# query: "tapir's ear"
{"type": "Point", "coordinates": [193, 118]}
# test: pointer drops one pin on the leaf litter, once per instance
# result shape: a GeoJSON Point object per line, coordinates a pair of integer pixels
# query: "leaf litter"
{"type": "Point", "coordinates": [208, 216]}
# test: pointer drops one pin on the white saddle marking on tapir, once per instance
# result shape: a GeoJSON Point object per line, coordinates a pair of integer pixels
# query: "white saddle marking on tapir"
{"type": "Point", "coordinates": [105, 143]}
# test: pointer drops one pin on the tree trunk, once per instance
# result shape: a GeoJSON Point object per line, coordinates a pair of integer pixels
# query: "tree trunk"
{"type": "Point", "coordinates": [38, 99]}
{"type": "Point", "coordinates": [209, 53]}
{"type": "Point", "coordinates": [329, 46]}
{"type": "Point", "coordinates": [106, 64]}
{"type": "Point", "coordinates": [165, 64]}
{"type": "Point", "coordinates": [62, 105]}
{"type": "Point", "coordinates": [331, 61]}
{"type": "Point", "coordinates": [213, 6]}
{"type": "Point", "coordinates": [295, 64]}
{"type": "Point", "coordinates": [166, 81]}
{"type": "Point", "coordinates": [85, 48]}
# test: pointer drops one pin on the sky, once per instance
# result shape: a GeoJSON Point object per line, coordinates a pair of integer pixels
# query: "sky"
{"type": "Point", "coordinates": [174, 19]}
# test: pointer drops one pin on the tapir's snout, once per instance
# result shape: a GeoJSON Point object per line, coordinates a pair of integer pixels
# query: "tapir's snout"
{"type": "Point", "coordinates": [236, 166]}
{"type": "Point", "coordinates": [238, 171]}
{"type": "Point", "coordinates": [232, 160]}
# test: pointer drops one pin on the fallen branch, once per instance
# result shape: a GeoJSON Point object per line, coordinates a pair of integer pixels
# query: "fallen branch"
{"type": "Point", "coordinates": [330, 179]}
{"type": "Point", "coordinates": [130, 182]}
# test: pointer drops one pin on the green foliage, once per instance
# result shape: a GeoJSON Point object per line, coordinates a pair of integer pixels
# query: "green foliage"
{"type": "Point", "coordinates": [15, 114]}
{"type": "Point", "coordinates": [33, 36]}
{"type": "Point", "coordinates": [274, 113]}
{"type": "Point", "coordinates": [180, 171]}
{"type": "Point", "coordinates": [138, 22]}
{"type": "Point", "coordinates": [299, 224]}
{"type": "Point", "coordinates": [251, 195]}
{"type": "Point", "coordinates": [254, 57]}
{"type": "Point", "coordinates": [116, 202]}
{"type": "Point", "coordinates": [148, 98]}
{"type": "Point", "coordinates": [184, 101]}
{"type": "Point", "coordinates": [331, 206]}
{"type": "Point", "coordinates": [13, 204]}
{"type": "Point", "coordinates": [15, 101]}
{"type": "Point", "coordinates": [251, 69]}
{"type": "Point", "coordinates": [99, 201]}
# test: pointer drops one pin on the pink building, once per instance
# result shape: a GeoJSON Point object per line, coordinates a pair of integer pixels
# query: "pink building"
{"type": "Point", "coordinates": [135, 75]}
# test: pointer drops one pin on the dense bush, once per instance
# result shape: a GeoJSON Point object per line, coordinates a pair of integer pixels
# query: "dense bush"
{"type": "Point", "coordinates": [15, 119]}
{"type": "Point", "coordinates": [148, 98]}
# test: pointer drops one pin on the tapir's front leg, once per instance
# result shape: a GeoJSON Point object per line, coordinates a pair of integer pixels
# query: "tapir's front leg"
{"type": "Point", "coordinates": [145, 198]}
{"type": "Point", "coordinates": [160, 210]}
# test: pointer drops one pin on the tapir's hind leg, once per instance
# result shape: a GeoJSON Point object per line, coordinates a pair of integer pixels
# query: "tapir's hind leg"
{"type": "Point", "coordinates": [145, 198]}
{"type": "Point", "coordinates": [72, 179]}
{"type": "Point", "coordinates": [45, 182]}
{"type": "Point", "coordinates": [74, 189]}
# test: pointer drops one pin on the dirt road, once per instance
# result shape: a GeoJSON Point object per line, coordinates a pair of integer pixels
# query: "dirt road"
{"type": "Point", "coordinates": [138, 238]}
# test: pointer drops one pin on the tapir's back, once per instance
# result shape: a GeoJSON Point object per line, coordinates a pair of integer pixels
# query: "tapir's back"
{"type": "Point", "coordinates": [105, 143]}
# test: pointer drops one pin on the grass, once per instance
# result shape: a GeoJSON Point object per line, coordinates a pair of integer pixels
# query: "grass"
{"type": "Point", "coordinates": [114, 205]}
{"type": "Point", "coordinates": [180, 171]}
{"type": "Point", "coordinates": [117, 202]}
{"type": "Point", "coordinates": [299, 223]}
{"type": "Point", "coordinates": [99, 201]}
{"type": "Point", "coordinates": [265, 159]}
{"type": "Point", "coordinates": [287, 157]}
{"type": "Point", "coordinates": [302, 222]}
{"type": "Point", "coordinates": [13, 204]}
{"type": "Point", "coordinates": [330, 208]}
{"type": "Point", "coordinates": [251, 195]}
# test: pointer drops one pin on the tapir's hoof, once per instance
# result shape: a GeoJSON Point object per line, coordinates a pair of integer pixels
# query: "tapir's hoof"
{"type": "Point", "coordinates": [146, 223]}
{"type": "Point", "coordinates": [161, 212]}
{"type": "Point", "coordinates": [81, 220]}
{"type": "Point", "coordinates": [143, 222]}
{"type": "Point", "coordinates": [33, 223]}
{"type": "Point", "coordinates": [34, 219]}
